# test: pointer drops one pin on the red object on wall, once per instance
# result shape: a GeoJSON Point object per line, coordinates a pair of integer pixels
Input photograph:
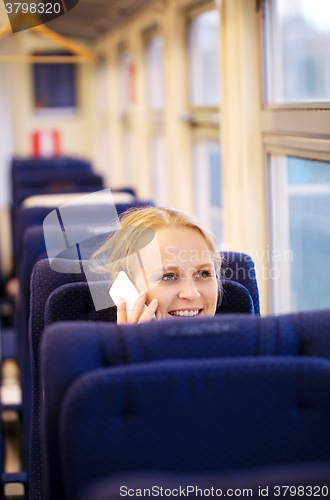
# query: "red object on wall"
{"type": "Point", "coordinates": [46, 143]}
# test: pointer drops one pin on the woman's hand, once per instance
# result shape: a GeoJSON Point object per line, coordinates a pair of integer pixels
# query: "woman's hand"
{"type": "Point", "coordinates": [140, 313]}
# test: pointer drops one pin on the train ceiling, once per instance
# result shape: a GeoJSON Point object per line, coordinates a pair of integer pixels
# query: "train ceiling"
{"type": "Point", "coordinates": [92, 18]}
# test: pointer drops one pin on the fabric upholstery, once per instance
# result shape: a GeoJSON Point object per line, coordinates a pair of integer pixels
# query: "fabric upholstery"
{"type": "Point", "coordinates": [240, 267]}
{"type": "Point", "coordinates": [43, 281]}
{"type": "Point", "coordinates": [94, 184]}
{"type": "Point", "coordinates": [32, 172]}
{"type": "Point", "coordinates": [193, 415]}
{"type": "Point", "coordinates": [73, 349]}
{"type": "Point", "coordinates": [33, 216]}
{"type": "Point", "coordinates": [34, 250]}
{"type": "Point", "coordinates": [73, 301]}
{"type": "Point", "coordinates": [235, 298]}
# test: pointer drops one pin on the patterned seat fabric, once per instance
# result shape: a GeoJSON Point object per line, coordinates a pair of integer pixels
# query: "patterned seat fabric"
{"type": "Point", "coordinates": [44, 281]}
{"type": "Point", "coordinates": [220, 393]}
{"type": "Point", "coordinates": [239, 267]}
{"type": "Point", "coordinates": [73, 301]}
{"type": "Point", "coordinates": [73, 349]}
{"type": "Point", "coordinates": [34, 216]}
{"type": "Point", "coordinates": [190, 416]}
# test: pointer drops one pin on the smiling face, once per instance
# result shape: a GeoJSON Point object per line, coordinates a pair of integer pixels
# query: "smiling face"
{"type": "Point", "coordinates": [187, 285]}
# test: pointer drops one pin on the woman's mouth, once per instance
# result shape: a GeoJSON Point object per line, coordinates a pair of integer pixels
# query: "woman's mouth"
{"type": "Point", "coordinates": [186, 312]}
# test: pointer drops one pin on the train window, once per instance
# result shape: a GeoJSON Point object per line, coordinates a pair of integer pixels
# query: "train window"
{"type": "Point", "coordinates": [298, 61]}
{"type": "Point", "coordinates": [126, 77]}
{"type": "Point", "coordinates": [207, 184]}
{"type": "Point", "coordinates": [126, 90]}
{"type": "Point", "coordinates": [203, 54]}
{"type": "Point", "coordinates": [159, 170]}
{"type": "Point", "coordinates": [155, 75]}
{"type": "Point", "coordinates": [54, 85]}
{"type": "Point", "coordinates": [301, 233]}
{"type": "Point", "coordinates": [296, 133]}
{"type": "Point", "coordinates": [155, 71]}
{"type": "Point", "coordinates": [127, 153]}
{"type": "Point", "coordinates": [203, 58]}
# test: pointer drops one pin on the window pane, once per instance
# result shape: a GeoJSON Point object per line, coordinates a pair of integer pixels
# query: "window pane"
{"type": "Point", "coordinates": [159, 170]}
{"type": "Point", "coordinates": [55, 85]}
{"type": "Point", "coordinates": [207, 185]}
{"type": "Point", "coordinates": [298, 36]}
{"type": "Point", "coordinates": [127, 152]}
{"type": "Point", "coordinates": [126, 79]}
{"type": "Point", "coordinates": [155, 72]}
{"type": "Point", "coordinates": [304, 228]}
{"type": "Point", "coordinates": [203, 48]}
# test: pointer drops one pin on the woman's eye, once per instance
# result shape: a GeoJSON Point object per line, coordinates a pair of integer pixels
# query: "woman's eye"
{"type": "Point", "coordinates": [203, 274]}
{"type": "Point", "coordinates": [169, 277]}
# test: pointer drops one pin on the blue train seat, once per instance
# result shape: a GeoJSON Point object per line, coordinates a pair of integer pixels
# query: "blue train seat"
{"type": "Point", "coordinates": [33, 172]}
{"type": "Point", "coordinates": [26, 193]}
{"type": "Point", "coordinates": [62, 162]}
{"type": "Point", "coordinates": [53, 175]}
{"type": "Point", "coordinates": [277, 385]}
{"type": "Point", "coordinates": [90, 346]}
{"type": "Point", "coordinates": [33, 216]}
{"type": "Point", "coordinates": [185, 416]}
{"type": "Point", "coordinates": [73, 302]}
{"type": "Point", "coordinates": [34, 249]}
{"type": "Point", "coordinates": [235, 299]}
{"type": "Point", "coordinates": [44, 281]}
{"type": "Point", "coordinates": [239, 267]}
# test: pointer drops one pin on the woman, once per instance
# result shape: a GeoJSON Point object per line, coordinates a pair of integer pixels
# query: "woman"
{"type": "Point", "coordinates": [171, 259]}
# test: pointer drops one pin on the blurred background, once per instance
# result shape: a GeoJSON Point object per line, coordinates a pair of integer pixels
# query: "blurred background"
{"type": "Point", "coordinates": [218, 108]}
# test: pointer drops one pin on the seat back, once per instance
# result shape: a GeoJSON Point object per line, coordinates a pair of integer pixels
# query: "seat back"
{"type": "Point", "coordinates": [239, 267]}
{"type": "Point", "coordinates": [72, 349]}
{"type": "Point", "coordinates": [25, 193]}
{"type": "Point", "coordinates": [33, 164]}
{"type": "Point", "coordinates": [34, 216]}
{"type": "Point", "coordinates": [34, 249]}
{"type": "Point", "coordinates": [186, 416]}
{"type": "Point", "coordinates": [235, 297]}
{"type": "Point", "coordinates": [73, 302]}
{"type": "Point", "coordinates": [52, 172]}
{"type": "Point", "coordinates": [43, 281]}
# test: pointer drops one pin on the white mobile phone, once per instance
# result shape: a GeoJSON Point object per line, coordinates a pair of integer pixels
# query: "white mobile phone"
{"type": "Point", "coordinates": [123, 287]}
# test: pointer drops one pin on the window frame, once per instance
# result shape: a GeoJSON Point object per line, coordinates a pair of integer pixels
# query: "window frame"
{"type": "Point", "coordinates": [54, 111]}
{"type": "Point", "coordinates": [299, 129]}
{"type": "Point", "coordinates": [200, 115]}
{"type": "Point", "coordinates": [203, 122]}
{"type": "Point", "coordinates": [267, 10]}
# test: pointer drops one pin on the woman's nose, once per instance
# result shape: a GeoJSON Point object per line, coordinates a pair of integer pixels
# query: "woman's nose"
{"type": "Point", "coordinates": [188, 290]}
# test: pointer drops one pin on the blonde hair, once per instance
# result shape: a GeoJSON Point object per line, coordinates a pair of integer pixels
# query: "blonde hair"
{"type": "Point", "coordinates": [136, 224]}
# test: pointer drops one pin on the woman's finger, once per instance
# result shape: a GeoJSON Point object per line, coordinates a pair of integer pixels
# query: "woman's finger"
{"type": "Point", "coordinates": [137, 310]}
{"type": "Point", "coordinates": [121, 311]}
{"type": "Point", "coordinates": [149, 312]}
